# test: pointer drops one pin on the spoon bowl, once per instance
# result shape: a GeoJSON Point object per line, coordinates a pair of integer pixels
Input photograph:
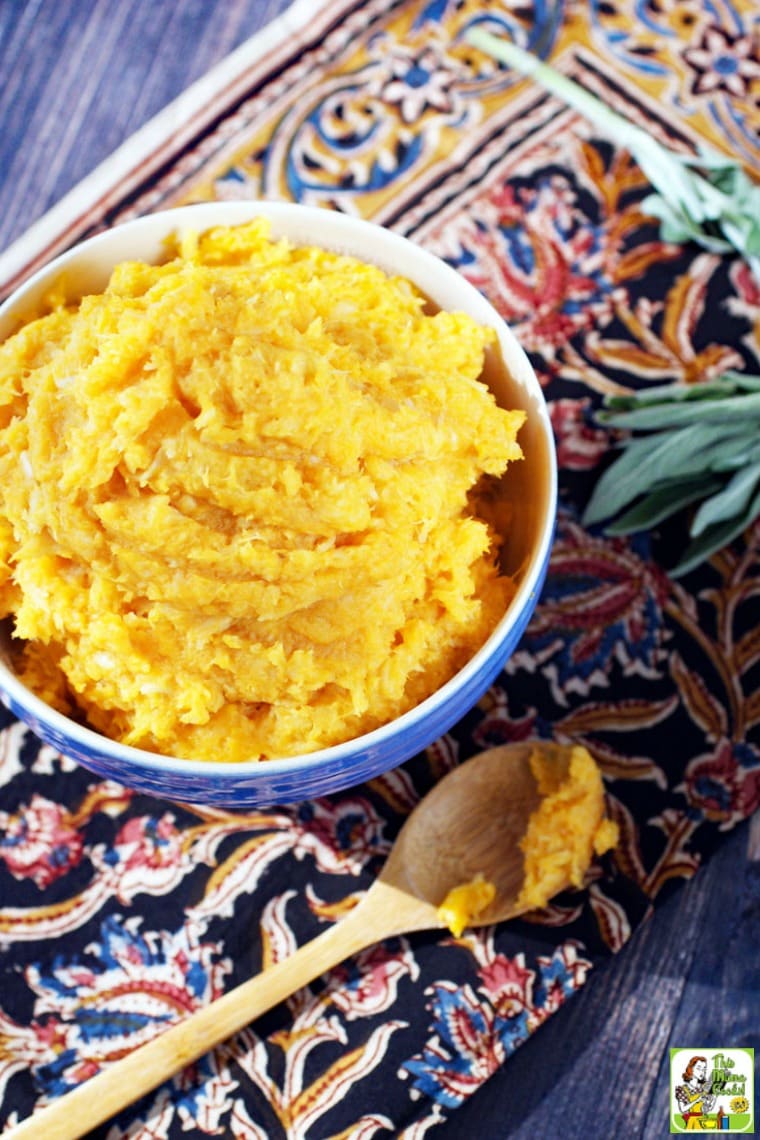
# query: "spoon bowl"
{"type": "Point", "coordinates": [470, 823]}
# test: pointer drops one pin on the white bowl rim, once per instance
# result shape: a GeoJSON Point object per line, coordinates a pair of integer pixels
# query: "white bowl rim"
{"type": "Point", "coordinates": [88, 739]}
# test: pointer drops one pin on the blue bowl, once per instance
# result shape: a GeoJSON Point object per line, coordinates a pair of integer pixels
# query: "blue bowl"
{"type": "Point", "coordinates": [530, 486]}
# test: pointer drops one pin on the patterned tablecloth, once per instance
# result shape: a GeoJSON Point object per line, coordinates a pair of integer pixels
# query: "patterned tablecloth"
{"type": "Point", "coordinates": [120, 912]}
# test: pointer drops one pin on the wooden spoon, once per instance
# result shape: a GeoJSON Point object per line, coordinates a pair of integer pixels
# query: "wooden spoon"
{"type": "Point", "coordinates": [470, 823]}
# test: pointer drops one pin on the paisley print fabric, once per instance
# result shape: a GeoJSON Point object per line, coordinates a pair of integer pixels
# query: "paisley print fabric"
{"type": "Point", "coordinates": [121, 913]}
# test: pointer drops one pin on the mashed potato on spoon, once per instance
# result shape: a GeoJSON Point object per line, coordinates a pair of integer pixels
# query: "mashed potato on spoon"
{"type": "Point", "coordinates": [241, 498]}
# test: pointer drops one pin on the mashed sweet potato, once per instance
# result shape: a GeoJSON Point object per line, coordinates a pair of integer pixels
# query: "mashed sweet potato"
{"type": "Point", "coordinates": [567, 828]}
{"type": "Point", "coordinates": [466, 902]}
{"type": "Point", "coordinates": [563, 834]}
{"type": "Point", "coordinates": [239, 498]}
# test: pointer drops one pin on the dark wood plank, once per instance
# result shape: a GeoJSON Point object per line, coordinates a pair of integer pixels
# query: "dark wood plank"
{"type": "Point", "coordinates": [80, 76]}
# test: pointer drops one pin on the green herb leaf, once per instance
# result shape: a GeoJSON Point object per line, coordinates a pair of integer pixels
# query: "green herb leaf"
{"type": "Point", "coordinates": [646, 462]}
{"type": "Point", "coordinates": [738, 410]}
{"type": "Point", "coordinates": [716, 537]}
{"type": "Point", "coordinates": [697, 445]}
{"type": "Point", "coordinates": [663, 503]}
{"type": "Point", "coordinates": [745, 451]}
{"type": "Point", "coordinates": [727, 385]}
{"type": "Point", "coordinates": [728, 503]}
{"type": "Point", "coordinates": [701, 443]}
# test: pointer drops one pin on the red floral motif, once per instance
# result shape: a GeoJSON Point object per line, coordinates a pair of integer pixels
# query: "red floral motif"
{"type": "Point", "coordinates": [148, 855]}
{"type": "Point", "coordinates": [580, 445]}
{"type": "Point", "coordinates": [724, 784]}
{"type": "Point", "coordinates": [370, 985]}
{"type": "Point", "coordinates": [341, 836]}
{"type": "Point", "coordinates": [508, 984]}
{"type": "Point", "coordinates": [601, 604]}
{"type": "Point", "coordinates": [40, 842]}
{"type": "Point", "coordinates": [540, 263]}
{"type": "Point", "coordinates": [512, 988]}
{"type": "Point", "coordinates": [148, 842]}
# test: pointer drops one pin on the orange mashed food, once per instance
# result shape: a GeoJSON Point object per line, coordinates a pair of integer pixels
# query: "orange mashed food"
{"type": "Point", "coordinates": [567, 828]}
{"type": "Point", "coordinates": [466, 902]}
{"type": "Point", "coordinates": [240, 510]}
{"type": "Point", "coordinates": [563, 834]}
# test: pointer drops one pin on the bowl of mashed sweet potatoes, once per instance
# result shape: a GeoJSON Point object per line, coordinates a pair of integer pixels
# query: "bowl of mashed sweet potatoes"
{"type": "Point", "coordinates": [277, 492]}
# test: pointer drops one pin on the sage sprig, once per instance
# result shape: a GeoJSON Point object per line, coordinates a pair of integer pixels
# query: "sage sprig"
{"type": "Point", "coordinates": [694, 446]}
{"type": "Point", "coordinates": [706, 198]}
{"type": "Point", "coordinates": [700, 446]}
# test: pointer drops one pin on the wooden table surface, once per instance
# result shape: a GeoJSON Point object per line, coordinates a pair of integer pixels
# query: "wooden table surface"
{"type": "Point", "coordinates": [78, 77]}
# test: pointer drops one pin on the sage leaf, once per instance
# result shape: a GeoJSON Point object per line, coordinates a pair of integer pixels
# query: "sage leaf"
{"type": "Point", "coordinates": [662, 504]}
{"type": "Point", "coordinates": [715, 538]}
{"type": "Point", "coordinates": [728, 384]}
{"type": "Point", "coordinates": [649, 460]}
{"type": "Point", "coordinates": [743, 452]}
{"type": "Point", "coordinates": [731, 501]}
{"type": "Point", "coordinates": [739, 410]}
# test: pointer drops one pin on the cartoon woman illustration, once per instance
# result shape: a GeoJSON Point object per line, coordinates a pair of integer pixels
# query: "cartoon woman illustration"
{"type": "Point", "coordinates": [694, 1096]}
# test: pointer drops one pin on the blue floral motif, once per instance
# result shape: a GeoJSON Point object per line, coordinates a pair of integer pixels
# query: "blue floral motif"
{"type": "Point", "coordinates": [554, 981]}
{"type": "Point", "coordinates": [746, 755]}
{"type": "Point", "coordinates": [121, 995]}
{"type": "Point", "coordinates": [471, 1034]}
{"type": "Point", "coordinates": [381, 119]}
{"type": "Point", "coordinates": [468, 1040]}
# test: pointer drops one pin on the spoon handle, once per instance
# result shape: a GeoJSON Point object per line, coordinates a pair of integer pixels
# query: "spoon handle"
{"type": "Point", "coordinates": [377, 916]}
